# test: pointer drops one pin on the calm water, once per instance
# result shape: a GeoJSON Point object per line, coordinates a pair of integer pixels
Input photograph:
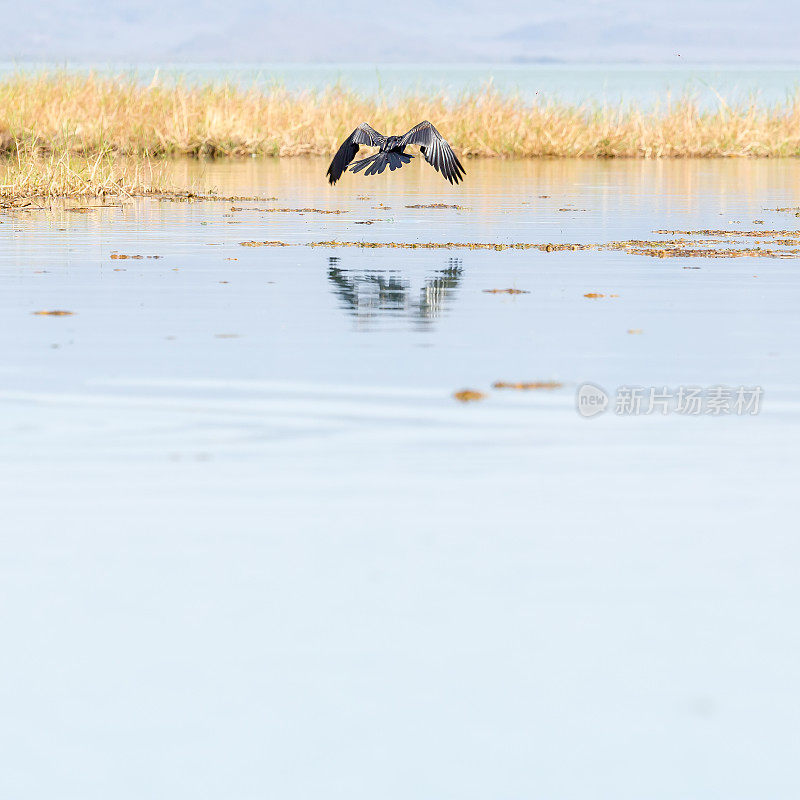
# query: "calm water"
{"type": "Point", "coordinates": [253, 547]}
{"type": "Point", "coordinates": [644, 84]}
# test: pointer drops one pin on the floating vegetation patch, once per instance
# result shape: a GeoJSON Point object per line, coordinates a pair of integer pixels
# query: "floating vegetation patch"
{"type": "Point", "coordinates": [19, 204]}
{"type": "Point", "coordinates": [291, 210]}
{"type": "Point", "coordinates": [191, 197]}
{"type": "Point", "coordinates": [675, 248]}
{"type": "Point", "coordinates": [54, 313]}
{"type": "Point", "coordinates": [527, 385]}
{"type": "Point", "coordinates": [721, 252]}
{"type": "Point", "coordinates": [468, 395]}
{"type": "Point", "coordinates": [598, 296]}
{"type": "Point", "coordinates": [264, 244]}
{"type": "Point", "coordinates": [122, 256]}
{"type": "Point", "coordinates": [438, 205]}
{"type": "Point", "coordinates": [506, 291]}
{"type": "Point", "coordinates": [759, 234]}
{"type": "Point", "coordinates": [457, 245]}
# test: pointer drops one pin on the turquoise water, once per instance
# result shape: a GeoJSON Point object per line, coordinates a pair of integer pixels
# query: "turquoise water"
{"type": "Point", "coordinates": [573, 83]}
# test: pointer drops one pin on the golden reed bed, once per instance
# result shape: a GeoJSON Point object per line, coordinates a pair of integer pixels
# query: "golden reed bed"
{"type": "Point", "coordinates": [92, 113]}
{"type": "Point", "coordinates": [30, 172]}
{"type": "Point", "coordinates": [61, 133]}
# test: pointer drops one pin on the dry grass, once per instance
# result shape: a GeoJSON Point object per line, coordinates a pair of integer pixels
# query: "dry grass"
{"type": "Point", "coordinates": [30, 171]}
{"type": "Point", "coordinates": [90, 115]}
{"type": "Point", "coordinates": [69, 135]}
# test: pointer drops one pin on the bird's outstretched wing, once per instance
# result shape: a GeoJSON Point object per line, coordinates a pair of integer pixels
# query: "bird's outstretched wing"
{"type": "Point", "coordinates": [436, 150]}
{"type": "Point", "coordinates": [363, 134]}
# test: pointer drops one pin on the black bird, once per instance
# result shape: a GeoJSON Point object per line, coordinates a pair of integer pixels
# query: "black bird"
{"type": "Point", "coordinates": [432, 145]}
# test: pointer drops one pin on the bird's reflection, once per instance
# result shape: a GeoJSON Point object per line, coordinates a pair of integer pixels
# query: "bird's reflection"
{"type": "Point", "coordinates": [366, 294]}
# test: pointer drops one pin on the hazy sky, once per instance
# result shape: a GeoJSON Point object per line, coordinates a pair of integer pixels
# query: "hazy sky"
{"type": "Point", "coordinates": [410, 30]}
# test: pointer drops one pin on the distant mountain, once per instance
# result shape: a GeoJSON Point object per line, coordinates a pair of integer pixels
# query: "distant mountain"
{"type": "Point", "coordinates": [412, 31]}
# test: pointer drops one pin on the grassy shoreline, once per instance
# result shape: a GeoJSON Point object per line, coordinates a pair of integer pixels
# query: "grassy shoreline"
{"type": "Point", "coordinates": [29, 171]}
{"type": "Point", "coordinates": [90, 114]}
{"type": "Point", "coordinates": [84, 135]}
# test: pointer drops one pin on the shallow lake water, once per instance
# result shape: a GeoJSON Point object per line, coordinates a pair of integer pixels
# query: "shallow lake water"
{"type": "Point", "coordinates": [254, 547]}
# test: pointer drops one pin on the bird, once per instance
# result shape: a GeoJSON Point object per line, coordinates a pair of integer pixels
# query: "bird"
{"type": "Point", "coordinates": [433, 146]}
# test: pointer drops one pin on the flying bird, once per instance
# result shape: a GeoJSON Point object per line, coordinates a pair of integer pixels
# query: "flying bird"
{"type": "Point", "coordinates": [432, 145]}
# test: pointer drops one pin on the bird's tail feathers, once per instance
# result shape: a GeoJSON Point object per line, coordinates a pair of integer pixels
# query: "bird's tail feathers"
{"type": "Point", "coordinates": [396, 160]}
{"type": "Point", "coordinates": [377, 163]}
{"type": "Point", "coordinates": [365, 162]}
